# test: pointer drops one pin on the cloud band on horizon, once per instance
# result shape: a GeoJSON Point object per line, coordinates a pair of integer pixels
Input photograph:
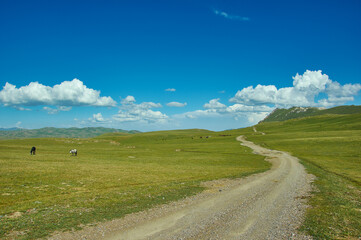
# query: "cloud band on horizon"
{"type": "Point", "coordinates": [256, 103]}
{"type": "Point", "coordinates": [249, 105]}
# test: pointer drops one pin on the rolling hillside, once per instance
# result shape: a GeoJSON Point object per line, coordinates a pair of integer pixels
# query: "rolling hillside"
{"type": "Point", "coordinates": [299, 112]}
{"type": "Point", "coordinates": [329, 147]}
{"type": "Point", "coordinates": [58, 132]}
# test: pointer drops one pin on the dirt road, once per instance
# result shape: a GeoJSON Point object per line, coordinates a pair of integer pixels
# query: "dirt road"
{"type": "Point", "coordinates": [269, 205]}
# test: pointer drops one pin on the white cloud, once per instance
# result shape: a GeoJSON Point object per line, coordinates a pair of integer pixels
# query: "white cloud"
{"type": "Point", "coordinates": [170, 90]}
{"type": "Point", "coordinates": [147, 105]}
{"type": "Point", "coordinates": [212, 109]}
{"type": "Point", "coordinates": [214, 104]}
{"type": "Point", "coordinates": [95, 120]}
{"type": "Point", "coordinates": [128, 99]}
{"type": "Point", "coordinates": [311, 81]}
{"type": "Point", "coordinates": [258, 95]}
{"type": "Point", "coordinates": [64, 108]}
{"type": "Point", "coordinates": [254, 117]}
{"type": "Point", "coordinates": [254, 114]}
{"type": "Point", "coordinates": [147, 116]}
{"type": "Point", "coordinates": [305, 89]}
{"type": "Point", "coordinates": [240, 108]}
{"type": "Point", "coordinates": [338, 94]}
{"type": "Point", "coordinates": [176, 104]}
{"type": "Point", "coordinates": [229, 16]}
{"type": "Point", "coordinates": [208, 113]}
{"type": "Point", "coordinates": [22, 108]}
{"type": "Point", "coordinates": [68, 93]}
{"type": "Point", "coordinates": [56, 110]}
{"type": "Point", "coordinates": [132, 112]}
{"type": "Point", "coordinates": [190, 116]}
{"type": "Point", "coordinates": [98, 117]}
{"type": "Point", "coordinates": [18, 124]}
{"type": "Point", "coordinates": [216, 109]}
{"type": "Point", "coordinates": [253, 104]}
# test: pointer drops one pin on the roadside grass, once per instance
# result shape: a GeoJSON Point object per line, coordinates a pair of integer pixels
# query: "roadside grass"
{"type": "Point", "coordinates": [113, 175]}
{"type": "Point", "coordinates": [330, 148]}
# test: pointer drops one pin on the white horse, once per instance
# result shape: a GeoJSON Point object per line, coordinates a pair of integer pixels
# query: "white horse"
{"type": "Point", "coordinates": [74, 152]}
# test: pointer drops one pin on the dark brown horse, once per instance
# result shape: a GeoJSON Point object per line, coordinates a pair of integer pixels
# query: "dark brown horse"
{"type": "Point", "coordinates": [32, 151]}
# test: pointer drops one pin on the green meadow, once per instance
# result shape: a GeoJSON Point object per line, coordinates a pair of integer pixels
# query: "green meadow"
{"type": "Point", "coordinates": [330, 148]}
{"type": "Point", "coordinates": [113, 175]}
{"type": "Point", "coordinates": [119, 173]}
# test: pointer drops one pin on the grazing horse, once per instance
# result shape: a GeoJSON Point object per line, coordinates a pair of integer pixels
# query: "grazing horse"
{"type": "Point", "coordinates": [32, 151]}
{"type": "Point", "coordinates": [74, 152]}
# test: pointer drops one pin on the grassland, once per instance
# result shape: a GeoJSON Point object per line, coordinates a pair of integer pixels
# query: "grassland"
{"type": "Point", "coordinates": [330, 148]}
{"type": "Point", "coordinates": [118, 173]}
{"type": "Point", "coordinates": [113, 175]}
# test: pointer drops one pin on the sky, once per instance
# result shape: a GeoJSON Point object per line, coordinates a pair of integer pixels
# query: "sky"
{"type": "Point", "coordinates": [181, 64]}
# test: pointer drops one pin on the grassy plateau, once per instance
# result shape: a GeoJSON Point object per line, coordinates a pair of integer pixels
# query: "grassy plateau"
{"type": "Point", "coordinates": [330, 148]}
{"type": "Point", "coordinates": [113, 175]}
{"type": "Point", "coordinates": [119, 173]}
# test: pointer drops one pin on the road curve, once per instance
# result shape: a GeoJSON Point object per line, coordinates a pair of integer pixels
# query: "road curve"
{"type": "Point", "coordinates": [268, 205]}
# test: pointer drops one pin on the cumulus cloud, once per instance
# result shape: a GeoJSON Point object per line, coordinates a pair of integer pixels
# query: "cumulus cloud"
{"type": "Point", "coordinates": [170, 90]}
{"type": "Point", "coordinates": [68, 93]}
{"type": "Point", "coordinates": [306, 88]}
{"type": "Point", "coordinates": [253, 104]}
{"type": "Point", "coordinates": [338, 94]}
{"type": "Point", "coordinates": [229, 16]}
{"type": "Point", "coordinates": [132, 112]}
{"type": "Point", "coordinates": [214, 104]}
{"type": "Point", "coordinates": [128, 100]}
{"type": "Point", "coordinates": [258, 95]}
{"type": "Point", "coordinates": [176, 104]}
{"type": "Point", "coordinates": [214, 108]}
{"type": "Point", "coordinates": [98, 118]}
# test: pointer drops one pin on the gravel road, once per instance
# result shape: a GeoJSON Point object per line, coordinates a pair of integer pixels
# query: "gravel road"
{"type": "Point", "coordinates": [268, 205]}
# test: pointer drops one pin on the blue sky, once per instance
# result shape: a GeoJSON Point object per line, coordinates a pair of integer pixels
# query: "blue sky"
{"type": "Point", "coordinates": [157, 65]}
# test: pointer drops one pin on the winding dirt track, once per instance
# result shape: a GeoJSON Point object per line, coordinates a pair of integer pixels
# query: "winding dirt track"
{"type": "Point", "coordinates": [269, 205]}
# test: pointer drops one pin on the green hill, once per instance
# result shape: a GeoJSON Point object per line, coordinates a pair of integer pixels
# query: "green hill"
{"type": "Point", "coordinates": [49, 132]}
{"type": "Point", "coordinates": [300, 112]}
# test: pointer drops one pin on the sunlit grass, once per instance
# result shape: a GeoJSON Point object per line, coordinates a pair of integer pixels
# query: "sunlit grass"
{"type": "Point", "coordinates": [330, 148]}
{"type": "Point", "coordinates": [112, 175]}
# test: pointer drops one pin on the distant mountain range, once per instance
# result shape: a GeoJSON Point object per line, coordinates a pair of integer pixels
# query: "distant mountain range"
{"type": "Point", "coordinates": [276, 115]}
{"type": "Point", "coordinates": [300, 112]}
{"type": "Point", "coordinates": [48, 132]}
{"type": "Point", "coordinates": [10, 129]}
